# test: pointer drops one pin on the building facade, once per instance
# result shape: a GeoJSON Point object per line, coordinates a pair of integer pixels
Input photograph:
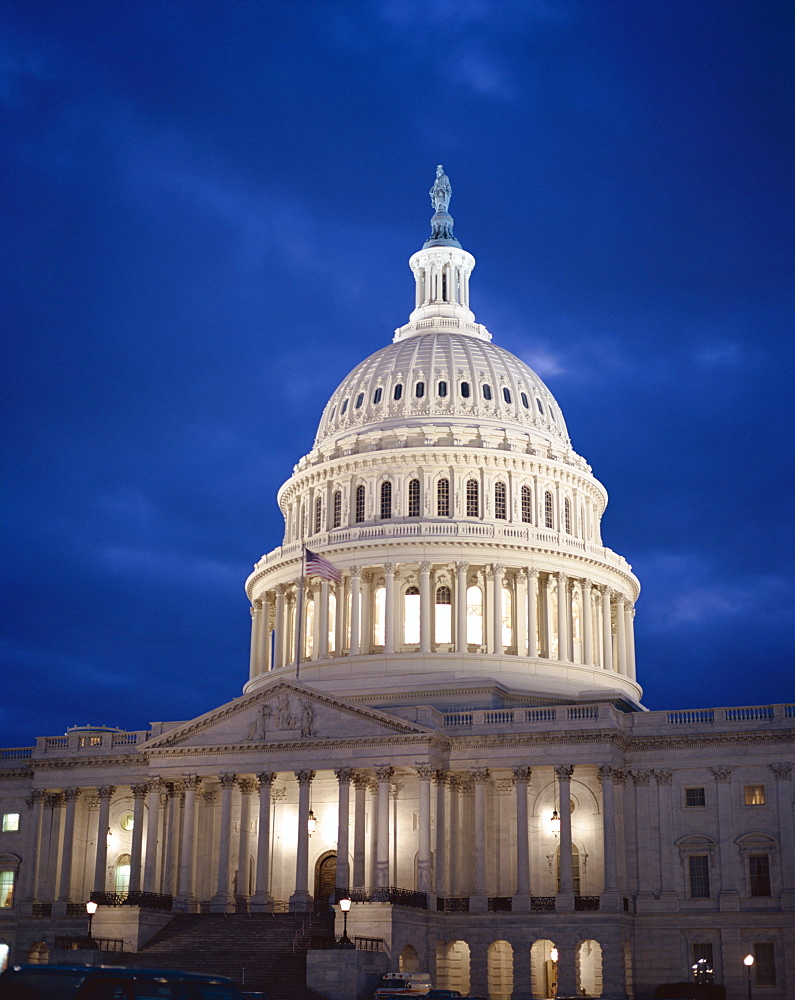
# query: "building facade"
{"type": "Point", "coordinates": [441, 720]}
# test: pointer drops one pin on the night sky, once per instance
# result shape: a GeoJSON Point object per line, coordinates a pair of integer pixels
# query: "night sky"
{"type": "Point", "coordinates": [208, 210]}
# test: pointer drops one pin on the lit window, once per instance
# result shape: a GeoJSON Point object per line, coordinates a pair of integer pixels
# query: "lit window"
{"type": "Point", "coordinates": [698, 871]}
{"type": "Point", "coordinates": [765, 963]}
{"type": "Point", "coordinates": [7, 880]}
{"type": "Point", "coordinates": [386, 500]}
{"type": "Point", "coordinates": [465, 390]}
{"type": "Point", "coordinates": [695, 798]}
{"type": "Point", "coordinates": [474, 616]}
{"type": "Point", "coordinates": [359, 400]}
{"type": "Point", "coordinates": [487, 392]}
{"type": "Point", "coordinates": [127, 822]}
{"type": "Point", "coordinates": [414, 498]}
{"type": "Point", "coordinates": [318, 514]}
{"type": "Point", "coordinates": [443, 389]}
{"type": "Point", "coordinates": [567, 515]}
{"type": "Point", "coordinates": [377, 395]}
{"type": "Point", "coordinates": [398, 391]}
{"type": "Point", "coordinates": [359, 504]}
{"type": "Point", "coordinates": [379, 616]}
{"type": "Point", "coordinates": [500, 502]}
{"type": "Point", "coordinates": [506, 394]}
{"type": "Point", "coordinates": [548, 518]}
{"type": "Point", "coordinates": [309, 630]}
{"type": "Point", "coordinates": [754, 795]}
{"type": "Point", "coordinates": [703, 963]}
{"type": "Point", "coordinates": [344, 407]}
{"type": "Point", "coordinates": [10, 822]}
{"type": "Point", "coordinates": [525, 401]}
{"type": "Point", "coordinates": [527, 505]}
{"type": "Point", "coordinates": [443, 498]}
{"type": "Point", "coordinates": [337, 509]}
{"type": "Point", "coordinates": [443, 631]}
{"type": "Point", "coordinates": [507, 618]}
{"type": "Point", "coordinates": [411, 616]}
{"type": "Point", "coordinates": [759, 874]}
{"type": "Point", "coordinates": [419, 390]}
{"type": "Point", "coordinates": [473, 498]}
{"type": "Point", "coordinates": [538, 404]}
{"type": "Point", "coordinates": [121, 879]}
{"type": "Point", "coordinates": [332, 622]}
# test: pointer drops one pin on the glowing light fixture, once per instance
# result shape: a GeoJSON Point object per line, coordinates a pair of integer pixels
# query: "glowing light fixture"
{"type": "Point", "coordinates": [748, 960]}
{"type": "Point", "coordinates": [345, 941]}
{"type": "Point", "coordinates": [553, 954]}
{"type": "Point", "coordinates": [311, 823]}
{"type": "Point", "coordinates": [554, 822]}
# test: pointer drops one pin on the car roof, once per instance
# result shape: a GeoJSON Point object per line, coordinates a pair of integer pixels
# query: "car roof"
{"type": "Point", "coordinates": [110, 970]}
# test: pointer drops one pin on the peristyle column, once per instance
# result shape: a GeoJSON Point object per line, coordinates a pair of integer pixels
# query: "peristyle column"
{"type": "Point", "coordinates": [246, 786]}
{"type": "Point", "coordinates": [136, 852]}
{"type": "Point", "coordinates": [152, 818]}
{"type": "Point", "coordinates": [532, 612]}
{"type": "Point", "coordinates": [424, 774]}
{"type": "Point", "coordinates": [521, 778]}
{"type": "Point", "coordinates": [607, 629]}
{"type": "Point", "coordinates": [300, 901]}
{"type": "Point", "coordinates": [344, 778]}
{"type": "Point", "coordinates": [563, 617]}
{"type": "Point", "coordinates": [71, 795]}
{"type": "Point", "coordinates": [262, 900]}
{"type": "Point", "coordinates": [355, 610]}
{"type": "Point", "coordinates": [186, 889]}
{"type": "Point", "coordinates": [389, 608]}
{"type": "Point", "coordinates": [384, 775]}
{"type": "Point", "coordinates": [105, 793]}
{"type": "Point", "coordinates": [587, 623]}
{"type": "Point", "coordinates": [566, 888]}
{"type": "Point", "coordinates": [222, 900]}
{"type": "Point", "coordinates": [425, 607]}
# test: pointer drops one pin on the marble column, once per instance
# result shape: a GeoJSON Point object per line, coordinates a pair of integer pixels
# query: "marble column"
{"type": "Point", "coordinates": [262, 900]}
{"type": "Point", "coordinates": [186, 887]}
{"type": "Point", "coordinates": [301, 900]}
{"type": "Point", "coordinates": [53, 842]}
{"type": "Point", "coordinates": [175, 790]}
{"type": "Point", "coordinates": [71, 795]}
{"type": "Point", "coordinates": [532, 613]}
{"type": "Point", "coordinates": [105, 793]}
{"type": "Point", "coordinates": [461, 607]}
{"type": "Point", "coordinates": [360, 783]}
{"type": "Point", "coordinates": [565, 899]}
{"type": "Point", "coordinates": [389, 608]}
{"type": "Point", "coordinates": [520, 606]}
{"type": "Point", "coordinates": [563, 616]}
{"type": "Point", "coordinates": [281, 629]}
{"type": "Point", "coordinates": [344, 778]}
{"type": "Point", "coordinates": [609, 836]}
{"type": "Point", "coordinates": [549, 621]}
{"type": "Point", "coordinates": [321, 648]}
{"type": "Point", "coordinates": [521, 899]}
{"type": "Point", "coordinates": [355, 611]}
{"type": "Point", "coordinates": [480, 776]}
{"type": "Point", "coordinates": [587, 623]}
{"type": "Point", "coordinates": [256, 626]}
{"type": "Point", "coordinates": [453, 868]}
{"type": "Point", "coordinates": [246, 786]}
{"type": "Point", "coordinates": [152, 821]}
{"type": "Point", "coordinates": [630, 633]}
{"type": "Point", "coordinates": [222, 901]}
{"type": "Point", "coordinates": [425, 607]}
{"type": "Point", "coordinates": [424, 774]}
{"type": "Point", "coordinates": [136, 852]}
{"type": "Point", "coordinates": [783, 774]}
{"type": "Point", "coordinates": [729, 897]}
{"type": "Point", "coordinates": [265, 656]}
{"type": "Point", "coordinates": [621, 636]}
{"type": "Point", "coordinates": [384, 775]}
{"type": "Point", "coordinates": [607, 629]}
{"type": "Point", "coordinates": [35, 804]}
{"type": "Point", "coordinates": [440, 871]}
{"type": "Point", "coordinates": [497, 610]}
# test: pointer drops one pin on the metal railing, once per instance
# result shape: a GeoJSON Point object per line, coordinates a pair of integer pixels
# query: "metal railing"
{"type": "Point", "coordinates": [390, 894]}
{"type": "Point", "coordinates": [453, 904]}
{"type": "Point", "coordinates": [40, 910]}
{"type": "Point", "coordinates": [500, 904]}
{"type": "Point", "coordinates": [86, 943]}
{"type": "Point", "coordinates": [539, 903]}
{"type": "Point", "coordinates": [586, 903]}
{"type": "Point", "coordinates": [150, 900]}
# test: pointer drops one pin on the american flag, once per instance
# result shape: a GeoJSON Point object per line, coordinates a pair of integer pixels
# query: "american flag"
{"type": "Point", "coordinates": [318, 566]}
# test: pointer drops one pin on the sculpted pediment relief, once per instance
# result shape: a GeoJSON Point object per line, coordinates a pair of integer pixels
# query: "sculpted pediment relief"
{"type": "Point", "coordinates": [283, 713]}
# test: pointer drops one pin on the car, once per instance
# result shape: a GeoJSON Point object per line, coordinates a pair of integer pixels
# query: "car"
{"type": "Point", "coordinates": [442, 994]}
{"type": "Point", "coordinates": [111, 982]}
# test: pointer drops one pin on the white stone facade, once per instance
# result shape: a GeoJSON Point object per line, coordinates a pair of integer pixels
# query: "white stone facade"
{"type": "Point", "coordinates": [470, 673]}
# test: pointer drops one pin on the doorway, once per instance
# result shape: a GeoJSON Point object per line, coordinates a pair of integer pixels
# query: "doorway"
{"type": "Point", "coordinates": [325, 879]}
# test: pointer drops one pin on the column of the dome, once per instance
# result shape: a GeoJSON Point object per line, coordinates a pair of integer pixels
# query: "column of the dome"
{"type": "Point", "coordinates": [487, 607]}
{"type": "Point", "coordinates": [322, 645]}
{"type": "Point", "coordinates": [621, 638]}
{"type": "Point", "coordinates": [563, 617]}
{"type": "Point", "coordinates": [389, 608]}
{"type": "Point", "coordinates": [425, 607]}
{"type": "Point", "coordinates": [497, 610]}
{"type": "Point", "coordinates": [278, 639]}
{"type": "Point", "coordinates": [365, 625]}
{"type": "Point", "coordinates": [607, 629]}
{"type": "Point", "coordinates": [461, 607]}
{"type": "Point", "coordinates": [256, 619]}
{"type": "Point", "coordinates": [520, 610]}
{"type": "Point", "coordinates": [532, 613]}
{"type": "Point", "coordinates": [549, 624]}
{"type": "Point", "coordinates": [339, 621]}
{"type": "Point", "coordinates": [630, 637]}
{"type": "Point", "coordinates": [355, 611]}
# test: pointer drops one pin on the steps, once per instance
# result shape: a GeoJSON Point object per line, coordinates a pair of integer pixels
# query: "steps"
{"type": "Point", "coordinates": [261, 951]}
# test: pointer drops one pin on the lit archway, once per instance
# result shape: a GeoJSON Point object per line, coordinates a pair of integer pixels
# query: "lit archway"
{"type": "Point", "coordinates": [409, 960]}
{"type": "Point", "coordinates": [500, 970]}
{"type": "Point", "coordinates": [543, 969]}
{"type": "Point", "coordinates": [452, 966]}
{"type": "Point", "coordinates": [589, 968]}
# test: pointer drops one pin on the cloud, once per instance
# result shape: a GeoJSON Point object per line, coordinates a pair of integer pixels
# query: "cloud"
{"type": "Point", "coordinates": [719, 355]}
{"type": "Point", "coordinates": [169, 564]}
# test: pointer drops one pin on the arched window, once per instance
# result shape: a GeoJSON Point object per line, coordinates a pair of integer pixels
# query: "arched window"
{"type": "Point", "coordinates": [527, 505]}
{"type": "Point", "coordinates": [344, 407]}
{"type": "Point", "coordinates": [540, 407]}
{"type": "Point", "coordinates": [465, 390]}
{"type": "Point", "coordinates": [442, 389]}
{"type": "Point", "coordinates": [377, 395]}
{"type": "Point", "coordinates": [443, 621]}
{"type": "Point", "coordinates": [398, 391]}
{"type": "Point", "coordinates": [474, 616]}
{"type": "Point", "coordinates": [525, 401]}
{"type": "Point", "coordinates": [337, 509]}
{"type": "Point", "coordinates": [318, 514]}
{"type": "Point", "coordinates": [309, 630]}
{"type": "Point", "coordinates": [506, 394]}
{"type": "Point", "coordinates": [487, 392]}
{"type": "Point", "coordinates": [443, 498]}
{"type": "Point", "coordinates": [411, 616]}
{"type": "Point", "coordinates": [500, 501]}
{"type": "Point", "coordinates": [507, 618]}
{"type": "Point", "coordinates": [386, 500]}
{"type": "Point", "coordinates": [332, 623]}
{"type": "Point", "coordinates": [473, 498]}
{"type": "Point", "coordinates": [567, 515]}
{"type": "Point", "coordinates": [121, 874]}
{"type": "Point", "coordinates": [379, 616]}
{"type": "Point", "coordinates": [359, 400]}
{"type": "Point", "coordinates": [548, 519]}
{"type": "Point", "coordinates": [419, 390]}
{"type": "Point", "coordinates": [414, 498]}
{"type": "Point", "coordinates": [359, 515]}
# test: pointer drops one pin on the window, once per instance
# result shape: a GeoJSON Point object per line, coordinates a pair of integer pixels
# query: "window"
{"type": "Point", "coordinates": [548, 519]}
{"type": "Point", "coordinates": [379, 617]}
{"type": "Point", "coordinates": [414, 498]}
{"type": "Point", "coordinates": [500, 502]}
{"type": "Point", "coordinates": [527, 505]}
{"type": "Point", "coordinates": [359, 400]}
{"type": "Point", "coordinates": [506, 394]}
{"type": "Point", "coordinates": [567, 515]}
{"type": "Point", "coordinates": [442, 389]}
{"type": "Point", "coordinates": [344, 407]}
{"type": "Point", "coordinates": [411, 616]}
{"type": "Point", "coordinates": [465, 390]}
{"type": "Point", "coordinates": [318, 514]}
{"type": "Point", "coordinates": [359, 504]}
{"type": "Point", "coordinates": [443, 630]}
{"type": "Point", "coordinates": [695, 798]}
{"type": "Point", "coordinates": [538, 404]}
{"type": "Point", "coordinates": [10, 822]}
{"type": "Point", "coordinates": [7, 880]}
{"type": "Point", "coordinates": [419, 390]}
{"type": "Point", "coordinates": [759, 874]}
{"type": "Point", "coordinates": [127, 822]}
{"type": "Point", "coordinates": [309, 630]}
{"type": "Point", "coordinates": [473, 498]}
{"type": "Point", "coordinates": [336, 508]}
{"type": "Point", "coordinates": [754, 795]}
{"type": "Point", "coordinates": [507, 618]}
{"type": "Point", "coordinates": [765, 963]}
{"type": "Point", "coordinates": [703, 967]}
{"type": "Point", "coordinates": [332, 623]}
{"type": "Point", "coordinates": [698, 871]}
{"type": "Point", "coordinates": [121, 879]}
{"type": "Point", "coordinates": [398, 391]}
{"type": "Point", "coordinates": [386, 500]}
{"type": "Point", "coordinates": [487, 392]}
{"type": "Point", "coordinates": [525, 400]}
{"type": "Point", "coordinates": [377, 395]}
{"type": "Point", "coordinates": [474, 616]}
{"type": "Point", "coordinates": [443, 498]}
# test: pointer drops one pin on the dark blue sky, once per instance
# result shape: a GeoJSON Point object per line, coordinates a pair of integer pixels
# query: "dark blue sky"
{"type": "Point", "coordinates": [208, 210]}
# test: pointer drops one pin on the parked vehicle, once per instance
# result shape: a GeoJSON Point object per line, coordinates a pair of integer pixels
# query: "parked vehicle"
{"type": "Point", "coordinates": [111, 982]}
{"type": "Point", "coordinates": [442, 994]}
{"type": "Point", "coordinates": [403, 984]}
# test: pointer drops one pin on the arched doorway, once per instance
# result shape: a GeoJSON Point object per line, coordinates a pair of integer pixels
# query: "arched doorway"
{"type": "Point", "coordinates": [589, 968]}
{"type": "Point", "coordinates": [543, 969]}
{"type": "Point", "coordinates": [500, 970]}
{"type": "Point", "coordinates": [452, 966]}
{"type": "Point", "coordinates": [39, 954]}
{"type": "Point", "coordinates": [325, 879]}
{"type": "Point", "coordinates": [409, 960]}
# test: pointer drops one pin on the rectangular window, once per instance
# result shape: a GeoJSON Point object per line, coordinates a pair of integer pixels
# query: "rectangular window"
{"type": "Point", "coordinates": [698, 867]}
{"type": "Point", "coordinates": [695, 798]}
{"type": "Point", "coordinates": [443, 498]}
{"type": "Point", "coordinates": [703, 968]}
{"type": "Point", "coordinates": [754, 795]}
{"type": "Point", "coordinates": [765, 963]}
{"type": "Point", "coordinates": [473, 502]}
{"type": "Point", "coordinates": [759, 874]}
{"type": "Point", "coordinates": [7, 889]}
{"type": "Point", "coordinates": [10, 822]}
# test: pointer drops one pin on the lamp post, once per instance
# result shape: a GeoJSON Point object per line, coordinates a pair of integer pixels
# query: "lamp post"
{"type": "Point", "coordinates": [748, 961]}
{"type": "Point", "coordinates": [345, 941]}
{"type": "Point", "coordinates": [91, 909]}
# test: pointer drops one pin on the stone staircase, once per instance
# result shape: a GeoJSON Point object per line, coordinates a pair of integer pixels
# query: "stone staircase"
{"type": "Point", "coordinates": [259, 951]}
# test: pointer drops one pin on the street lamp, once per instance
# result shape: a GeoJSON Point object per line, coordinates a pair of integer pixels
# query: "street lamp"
{"type": "Point", "coordinates": [345, 941]}
{"type": "Point", "coordinates": [91, 909]}
{"type": "Point", "coordinates": [748, 961]}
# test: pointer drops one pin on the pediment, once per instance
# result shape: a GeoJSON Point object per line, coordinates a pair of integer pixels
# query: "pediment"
{"type": "Point", "coordinates": [284, 712]}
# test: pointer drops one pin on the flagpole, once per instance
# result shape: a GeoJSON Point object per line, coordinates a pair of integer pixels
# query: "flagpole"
{"type": "Point", "coordinates": [299, 617]}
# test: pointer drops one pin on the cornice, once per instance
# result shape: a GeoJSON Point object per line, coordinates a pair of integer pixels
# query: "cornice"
{"type": "Point", "coordinates": [304, 748]}
{"type": "Point", "coordinates": [88, 764]}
